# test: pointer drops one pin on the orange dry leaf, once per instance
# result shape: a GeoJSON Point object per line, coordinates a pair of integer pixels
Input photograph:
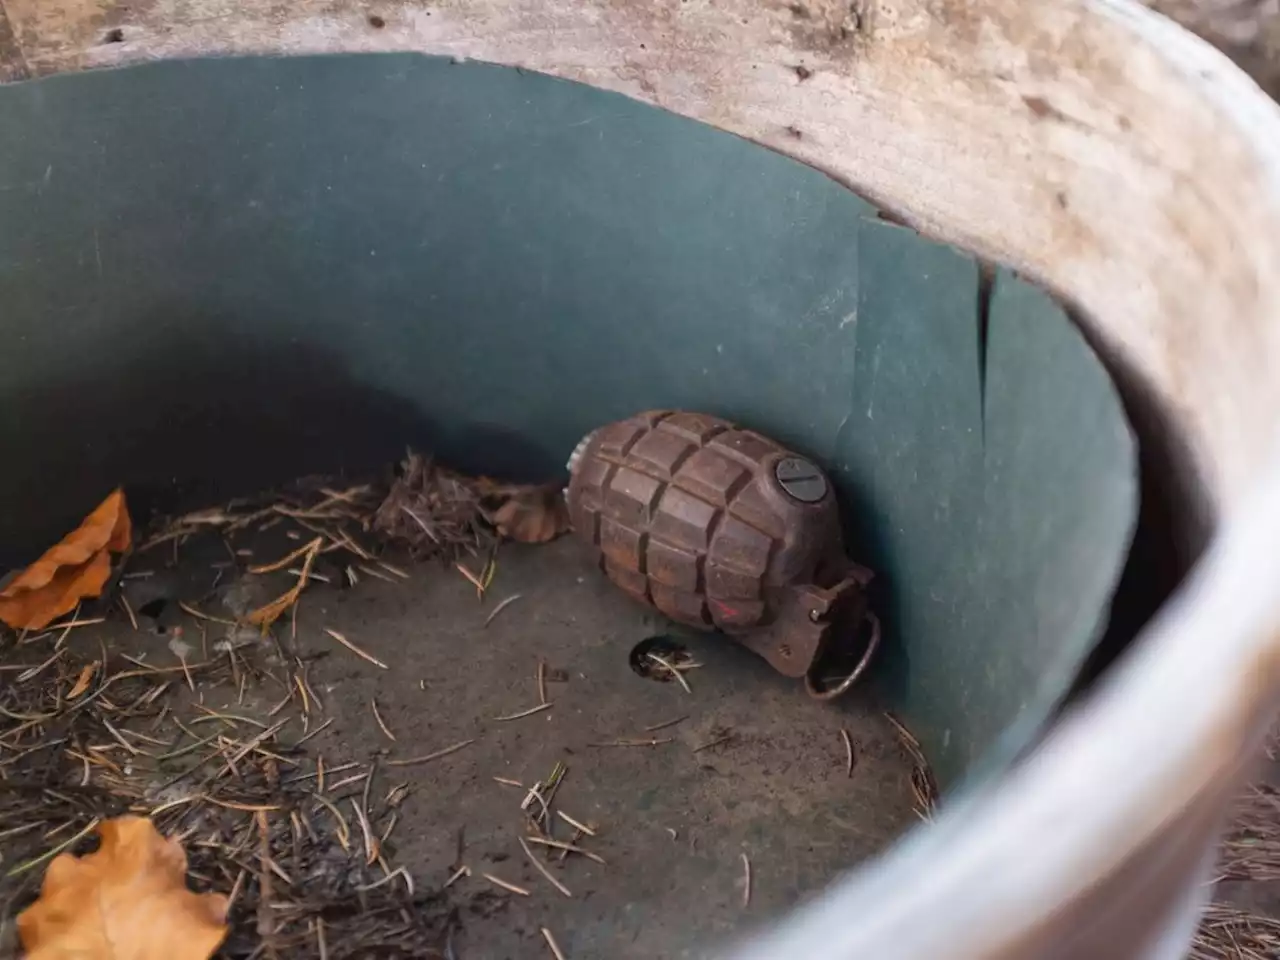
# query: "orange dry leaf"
{"type": "Point", "coordinates": [82, 683]}
{"type": "Point", "coordinates": [77, 567]}
{"type": "Point", "coordinates": [128, 901]}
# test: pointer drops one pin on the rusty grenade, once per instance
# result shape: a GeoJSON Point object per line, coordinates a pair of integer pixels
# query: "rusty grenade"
{"type": "Point", "coordinates": [723, 529]}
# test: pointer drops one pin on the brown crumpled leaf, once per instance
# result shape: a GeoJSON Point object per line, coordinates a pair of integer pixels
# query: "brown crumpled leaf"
{"type": "Point", "coordinates": [127, 901]}
{"type": "Point", "coordinates": [77, 567]}
{"type": "Point", "coordinates": [528, 514]}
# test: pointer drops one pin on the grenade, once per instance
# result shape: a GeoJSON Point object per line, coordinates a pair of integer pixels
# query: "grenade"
{"type": "Point", "coordinates": [722, 529]}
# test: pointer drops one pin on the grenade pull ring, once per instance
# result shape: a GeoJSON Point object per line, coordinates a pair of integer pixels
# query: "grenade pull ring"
{"type": "Point", "coordinates": [812, 683]}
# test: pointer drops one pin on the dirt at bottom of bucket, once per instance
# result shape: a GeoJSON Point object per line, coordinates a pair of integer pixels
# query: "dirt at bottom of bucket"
{"type": "Point", "coordinates": [407, 765]}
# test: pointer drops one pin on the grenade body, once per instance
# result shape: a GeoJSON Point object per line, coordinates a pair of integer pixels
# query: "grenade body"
{"type": "Point", "coordinates": [720, 528]}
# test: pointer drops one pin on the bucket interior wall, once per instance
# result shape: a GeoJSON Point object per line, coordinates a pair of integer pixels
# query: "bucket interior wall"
{"type": "Point", "coordinates": [217, 275]}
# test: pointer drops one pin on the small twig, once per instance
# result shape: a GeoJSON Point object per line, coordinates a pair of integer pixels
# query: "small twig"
{"type": "Point", "coordinates": [589, 831]}
{"type": "Point", "coordinates": [345, 782]}
{"type": "Point", "coordinates": [283, 561]}
{"type": "Point", "coordinates": [460, 844]}
{"type": "Point", "coordinates": [400, 872]}
{"type": "Point", "coordinates": [257, 739]}
{"type": "Point", "coordinates": [393, 569]}
{"type": "Point", "coordinates": [563, 855]}
{"type": "Point", "coordinates": [903, 732]}
{"type": "Point", "coordinates": [551, 943]}
{"type": "Point", "coordinates": [344, 831]}
{"type": "Point", "coordinates": [430, 756]}
{"type": "Point", "coordinates": [634, 743]}
{"type": "Point", "coordinates": [24, 867]}
{"type": "Point", "coordinates": [236, 888]}
{"type": "Point", "coordinates": [553, 783]}
{"type": "Point", "coordinates": [230, 719]}
{"type": "Point", "coordinates": [475, 581]}
{"type": "Point", "coordinates": [666, 723]}
{"type": "Point", "coordinates": [509, 782]}
{"type": "Point", "coordinates": [266, 615]}
{"type": "Point", "coordinates": [119, 738]}
{"type": "Point", "coordinates": [542, 681]}
{"type": "Point", "coordinates": [420, 522]}
{"type": "Point", "coordinates": [36, 671]}
{"type": "Point", "coordinates": [377, 574]}
{"type": "Point", "coordinates": [462, 871]}
{"type": "Point", "coordinates": [243, 807]}
{"type": "Point", "coordinates": [500, 607]}
{"type": "Point", "coordinates": [723, 738]}
{"type": "Point", "coordinates": [373, 705]}
{"type": "Point", "coordinates": [356, 650]}
{"type": "Point", "coordinates": [673, 671]}
{"type": "Point", "coordinates": [156, 811]}
{"type": "Point", "coordinates": [304, 739]}
{"type": "Point", "coordinates": [535, 793]}
{"type": "Point", "coordinates": [124, 602]}
{"type": "Point", "coordinates": [310, 576]}
{"type": "Point", "coordinates": [201, 615]}
{"type": "Point", "coordinates": [370, 843]}
{"type": "Point", "coordinates": [498, 881]}
{"type": "Point", "coordinates": [848, 752]}
{"type": "Point", "coordinates": [538, 865]}
{"type": "Point", "coordinates": [72, 624]}
{"type": "Point", "coordinates": [523, 713]}
{"type": "Point", "coordinates": [746, 882]}
{"type": "Point", "coordinates": [302, 691]}
{"type": "Point", "coordinates": [568, 847]}
{"type": "Point", "coordinates": [266, 922]}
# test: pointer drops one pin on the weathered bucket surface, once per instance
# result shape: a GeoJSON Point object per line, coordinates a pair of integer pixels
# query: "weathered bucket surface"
{"type": "Point", "coordinates": [1100, 150]}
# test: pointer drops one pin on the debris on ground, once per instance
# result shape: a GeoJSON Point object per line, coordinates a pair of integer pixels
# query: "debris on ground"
{"type": "Point", "coordinates": [89, 737]}
{"type": "Point", "coordinates": [1227, 933]}
{"type": "Point", "coordinates": [437, 511]}
{"type": "Point", "coordinates": [434, 511]}
{"type": "Point", "coordinates": [1251, 848]}
{"type": "Point", "coordinates": [305, 873]}
{"type": "Point", "coordinates": [1249, 863]}
{"type": "Point", "coordinates": [298, 845]}
{"type": "Point", "coordinates": [76, 568]}
{"type": "Point", "coordinates": [923, 786]}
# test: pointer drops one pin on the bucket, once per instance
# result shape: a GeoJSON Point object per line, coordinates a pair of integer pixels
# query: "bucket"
{"type": "Point", "coordinates": [1091, 148]}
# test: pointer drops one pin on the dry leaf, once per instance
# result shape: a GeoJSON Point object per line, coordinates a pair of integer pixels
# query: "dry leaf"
{"type": "Point", "coordinates": [82, 682]}
{"type": "Point", "coordinates": [77, 567]}
{"type": "Point", "coordinates": [533, 514]}
{"type": "Point", "coordinates": [127, 901]}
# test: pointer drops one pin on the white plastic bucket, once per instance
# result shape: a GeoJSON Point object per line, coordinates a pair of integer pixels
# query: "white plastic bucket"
{"type": "Point", "coordinates": [1099, 149]}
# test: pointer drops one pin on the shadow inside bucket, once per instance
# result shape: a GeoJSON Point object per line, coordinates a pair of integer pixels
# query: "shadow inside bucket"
{"type": "Point", "coordinates": [189, 421]}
